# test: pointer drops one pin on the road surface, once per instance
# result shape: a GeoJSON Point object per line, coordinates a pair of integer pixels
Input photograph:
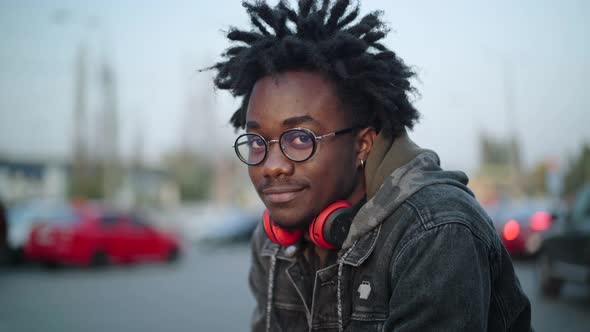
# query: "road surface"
{"type": "Point", "coordinates": [205, 291]}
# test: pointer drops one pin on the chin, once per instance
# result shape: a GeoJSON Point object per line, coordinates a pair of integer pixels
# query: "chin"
{"type": "Point", "coordinates": [290, 221]}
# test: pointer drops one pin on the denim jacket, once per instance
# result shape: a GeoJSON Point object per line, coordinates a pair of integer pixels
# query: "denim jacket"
{"type": "Point", "coordinates": [421, 255]}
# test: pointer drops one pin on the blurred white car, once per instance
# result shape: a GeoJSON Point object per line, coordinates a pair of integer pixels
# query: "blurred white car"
{"type": "Point", "coordinates": [22, 217]}
{"type": "Point", "coordinates": [213, 223]}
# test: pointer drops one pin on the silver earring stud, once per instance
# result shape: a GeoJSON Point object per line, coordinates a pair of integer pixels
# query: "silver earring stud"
{"type": "Point", "coordinates": [362, 163]}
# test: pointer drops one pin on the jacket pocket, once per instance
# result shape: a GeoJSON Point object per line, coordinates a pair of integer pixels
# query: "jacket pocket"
{"type": "Point", "coordinates": [364, 321]}
{"type": "Point", "coordinates": [365, 325]}
{"type": "Point", "coordinates": [288, 317]}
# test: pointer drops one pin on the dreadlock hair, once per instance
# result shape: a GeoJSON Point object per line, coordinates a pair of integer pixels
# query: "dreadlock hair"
{"type": "Point", "coordinates": [370, 80]}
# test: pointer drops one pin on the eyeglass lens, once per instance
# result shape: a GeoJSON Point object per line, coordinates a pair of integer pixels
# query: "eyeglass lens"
{"type": "Point", "coordinates": [296, 144]}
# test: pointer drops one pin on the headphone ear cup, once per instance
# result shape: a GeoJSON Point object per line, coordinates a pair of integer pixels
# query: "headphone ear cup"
{"type": "Point", "coordinates": [277, 234]}
{"type": "Point", "coordinates": [316, 228]}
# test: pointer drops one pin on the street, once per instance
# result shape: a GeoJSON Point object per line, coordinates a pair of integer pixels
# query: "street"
{"type": "Point", "coordinates": [205, 291]}
{"type": "Point", "coordinates": [571, 312]}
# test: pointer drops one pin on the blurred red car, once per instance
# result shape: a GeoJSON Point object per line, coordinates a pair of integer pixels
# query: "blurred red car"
{"type": "Point", "coordinates": [87, 235]}
{"type": "Point", "coordinates": [521, 226]}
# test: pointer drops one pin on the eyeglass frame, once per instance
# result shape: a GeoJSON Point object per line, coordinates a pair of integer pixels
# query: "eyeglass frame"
{"type": "Point", "coordinates": [268, 143]}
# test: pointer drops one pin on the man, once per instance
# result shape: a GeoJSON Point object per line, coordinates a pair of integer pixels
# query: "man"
{"type": "Point", "coordinates": [363, 230]}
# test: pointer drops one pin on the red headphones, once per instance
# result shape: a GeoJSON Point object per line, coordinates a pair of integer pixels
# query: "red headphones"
{"type": "Point", "coordinates": [321, 237]}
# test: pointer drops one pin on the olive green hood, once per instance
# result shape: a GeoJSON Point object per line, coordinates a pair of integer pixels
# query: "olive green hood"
{"type": "Point", "coordinates": [395, 170]}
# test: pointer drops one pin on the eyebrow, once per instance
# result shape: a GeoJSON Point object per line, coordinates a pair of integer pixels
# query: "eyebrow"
{"type": "Point", "coordinates": [252, 125]}
{"type": "Point", "coordinates": [297, 120]}
{"type": "Point", "coordinates": [290, 122]}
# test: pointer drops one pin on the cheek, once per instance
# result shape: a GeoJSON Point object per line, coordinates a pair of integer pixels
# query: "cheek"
{"type": "Point", "coordinates": [335, 173]}
{"type": "Point", "coordinates": [341, 159]}
{"type": "Point", "coordinates": [254, 175]}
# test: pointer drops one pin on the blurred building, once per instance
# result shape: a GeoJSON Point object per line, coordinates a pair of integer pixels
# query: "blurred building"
{"type": "Point", "coordinates": [22, 179]}
{"type": "Point", "coordinates": [232, 186]}
{"type": "Point", "coordinates": [27, 178]}
{"type": "Point", "coordinates": [147, 187]}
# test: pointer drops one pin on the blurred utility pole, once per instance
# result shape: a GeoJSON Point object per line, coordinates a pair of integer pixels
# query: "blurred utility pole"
{"type": "Point", "coordinates": [516, 172]}
{"type": "Point", "coordinates": [111, 168]}
{"type": "Point", "coordinates": [137, 160]}
{"type": "Point", "coordinates": [198, 128]}
{"type": "Point", "coordinates": [80, 156]}
{"type": "Point", "coordinates": [99, 175]}
{"type": "Point", "coordinates": [80, 174]}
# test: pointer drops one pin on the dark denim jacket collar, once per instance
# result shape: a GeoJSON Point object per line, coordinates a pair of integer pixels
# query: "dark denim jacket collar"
{"type": "Point", "coordinates": [270, 248]}
{"type": "Point", "coordinates": [361, 249]}
{"type": "Point", "coordinates": [354, 256]}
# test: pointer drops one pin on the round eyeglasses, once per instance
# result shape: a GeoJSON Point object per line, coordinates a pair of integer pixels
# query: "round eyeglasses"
{"type": "Point", "coordinates": [297, 144]}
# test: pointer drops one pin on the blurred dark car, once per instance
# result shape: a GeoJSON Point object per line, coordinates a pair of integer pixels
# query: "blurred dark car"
{"type": "Point", "coordinates": [565, 255]}
{"type": "Point", "coordinates": [88, 235]}
{"type": "Point", "coordinates": [521, 225]}
{"type": "Point", "coordinates": [3, 235]}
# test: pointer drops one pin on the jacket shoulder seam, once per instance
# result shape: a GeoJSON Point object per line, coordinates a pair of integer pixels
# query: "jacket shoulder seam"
{"type": "Point", "coordinates": [417, 211]}
{"type": "Point", "coordinates": [457, 218]}
{"type": "Point", "coordinates": [427, 231]}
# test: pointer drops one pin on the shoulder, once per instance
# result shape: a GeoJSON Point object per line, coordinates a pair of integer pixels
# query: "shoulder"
{"type": "Point", "coordinates": [445, 211]}
{"type": "Point", "coordinates": [443, 204]}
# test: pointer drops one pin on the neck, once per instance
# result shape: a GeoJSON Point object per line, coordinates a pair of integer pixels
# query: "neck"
{"type": "Point", "coordinates": [360, 189]}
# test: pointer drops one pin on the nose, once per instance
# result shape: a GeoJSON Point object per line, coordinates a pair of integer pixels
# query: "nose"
{"type": "Point", "coordinates": [276, 163]}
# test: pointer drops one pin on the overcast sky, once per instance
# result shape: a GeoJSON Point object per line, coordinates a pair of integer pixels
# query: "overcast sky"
{"type": "Point", "coordinates": [464, 51]}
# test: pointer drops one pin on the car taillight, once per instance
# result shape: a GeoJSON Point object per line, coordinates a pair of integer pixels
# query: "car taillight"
{"type": "Point", "coordinates": [511, 230]}
{"type": "Point", "coordinates": [540, 221]}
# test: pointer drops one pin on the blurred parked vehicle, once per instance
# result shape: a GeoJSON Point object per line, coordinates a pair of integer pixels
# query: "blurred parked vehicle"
{"type": "Point", "coordinates": [233, 227]}
{"type": "Point", "coordinates": [3, 234]}
{"type": "Point", "coordinates": [89, 235]}
{"type": "Point", "coordinates": [521, 225]}
{"type": "Point", "coordinates": [221, 224]}
{"type": "Point", "coordinates": [565, 255]}
{"type": "Point", "coordinates": [21, 218]}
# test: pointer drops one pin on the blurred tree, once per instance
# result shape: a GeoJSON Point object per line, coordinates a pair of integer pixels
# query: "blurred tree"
{"type": "Point", "coordinates": [536, 180]}
{"type": "Point", "coordinates": [500, 172]}
{"type": "Point", "coordinates": [192, 173]}
{"type": "Point", "coordinates": [87, 184]}
{"type": "Point", "coordinates": [579, 172]}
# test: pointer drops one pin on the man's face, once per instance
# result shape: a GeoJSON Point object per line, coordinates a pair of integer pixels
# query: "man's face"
{"type": "Point", "coordinates": [295, 192]}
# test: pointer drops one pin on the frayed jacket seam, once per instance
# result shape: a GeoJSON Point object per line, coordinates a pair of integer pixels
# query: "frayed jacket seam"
{"type": "Point", "coordinates": [427, 231]}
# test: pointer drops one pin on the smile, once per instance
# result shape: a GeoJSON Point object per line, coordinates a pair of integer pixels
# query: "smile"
{"type": "Point", "coordinates": [281, 195]}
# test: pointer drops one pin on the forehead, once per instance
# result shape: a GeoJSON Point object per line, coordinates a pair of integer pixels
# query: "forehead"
{"type": "Point", "coordinates": [293, 99]}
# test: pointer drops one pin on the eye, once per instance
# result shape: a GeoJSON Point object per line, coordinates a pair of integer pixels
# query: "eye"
{"type": "Point", "coordinates": [298, 140]}
{"type": "Point", "coordinates": [302, 139]}
{"type": "Point", "coordinates": [256, 143]}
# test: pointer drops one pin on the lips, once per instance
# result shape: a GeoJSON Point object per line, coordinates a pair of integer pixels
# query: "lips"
{"type": "Point", "coordinates": [281, 194]}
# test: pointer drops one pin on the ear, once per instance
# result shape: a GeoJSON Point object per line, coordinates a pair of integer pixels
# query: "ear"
{"type": "Point", "coordinates": [364, 144]}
